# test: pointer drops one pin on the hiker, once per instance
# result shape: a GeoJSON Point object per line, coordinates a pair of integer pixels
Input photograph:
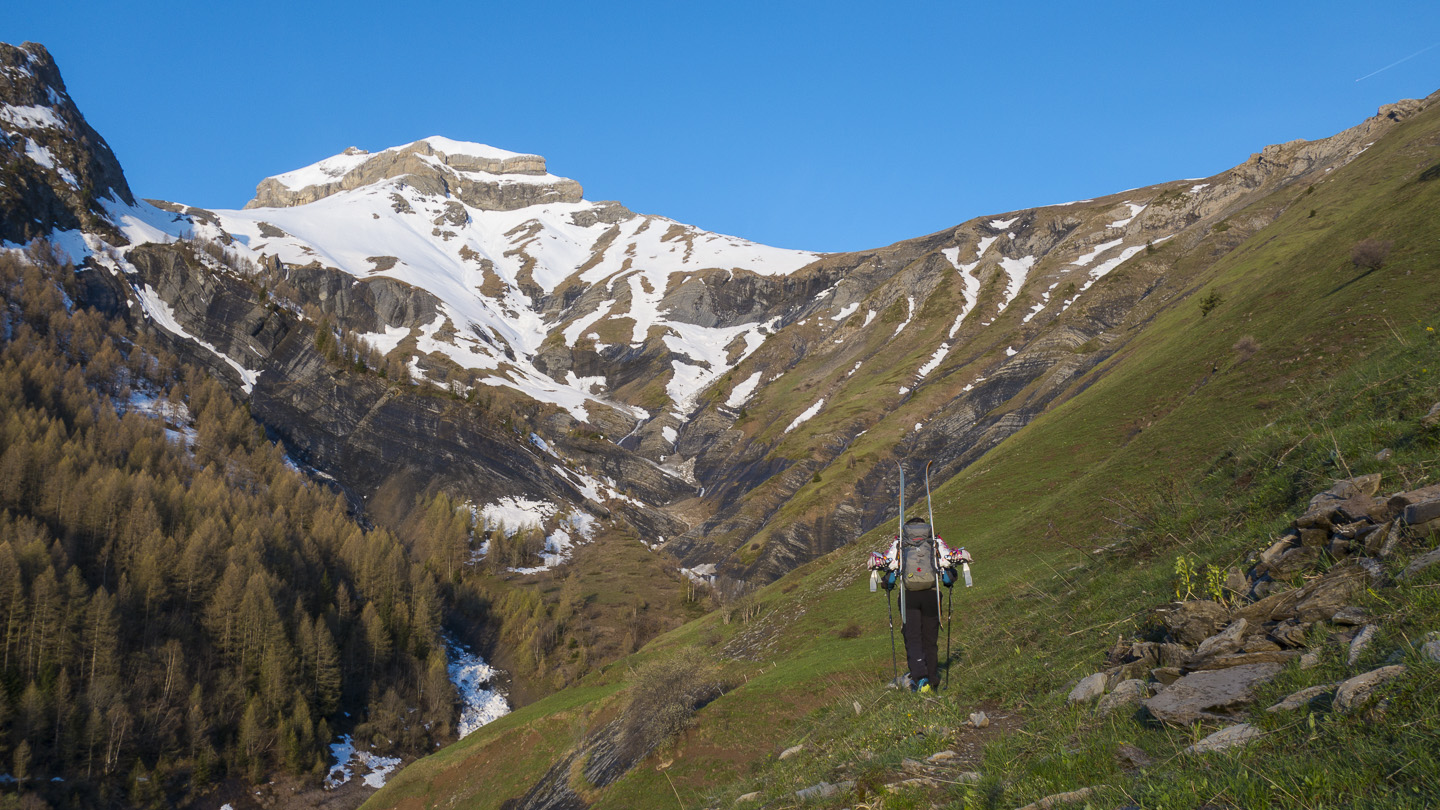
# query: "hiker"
{"type": "Point", "coordinates": [921, 620]}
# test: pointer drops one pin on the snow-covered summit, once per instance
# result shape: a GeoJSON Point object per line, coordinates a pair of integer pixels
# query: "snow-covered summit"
{"type": "Point", "coordinates": [522, 267]}
{"type": "Point", "coordinates": [458, 167]}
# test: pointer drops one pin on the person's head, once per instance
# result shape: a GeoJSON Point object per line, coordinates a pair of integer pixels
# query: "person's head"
{"type": "Point", "coordinates": [916, 519]}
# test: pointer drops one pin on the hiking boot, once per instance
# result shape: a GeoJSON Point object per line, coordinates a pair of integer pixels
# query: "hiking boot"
{"type": "Point", "coordinates": [924, 687]}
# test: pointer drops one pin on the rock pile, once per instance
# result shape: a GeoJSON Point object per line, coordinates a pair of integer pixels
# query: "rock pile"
{"type": "Point", "coordinates": [1213, 655]}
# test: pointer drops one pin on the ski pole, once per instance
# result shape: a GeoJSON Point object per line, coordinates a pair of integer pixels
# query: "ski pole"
{"type": "Point", "coordinates": [935, 563]}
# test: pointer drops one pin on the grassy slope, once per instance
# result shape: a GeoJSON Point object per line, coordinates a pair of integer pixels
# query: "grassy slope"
{"type": "Point", "coordinates": [1128, 448]}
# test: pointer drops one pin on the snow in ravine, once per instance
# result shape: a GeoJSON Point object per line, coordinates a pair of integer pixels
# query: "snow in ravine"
{"type": "Point", "coordinates": [350, 760]}
{"type": "Point", "coordinates": [481, 700]}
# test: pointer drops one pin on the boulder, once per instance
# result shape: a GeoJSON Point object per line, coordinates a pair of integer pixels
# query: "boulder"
{"type": "Point", "coordinates": [1126, 693]}
{"type": "Point", "coordinates": [1423, 512]}
{"type": "Point", "coordinates": [1351, 616]}
{"type": "Point", "coordinates": [1360, 643]}
{"type": "Point", "coordinates": [1057, 800]}
{"type": "Point", "coordinates": [1361, 509]}
{"type": "Point", "coordinates": [1210, 694]}
{"type": "Point", "coordinates": [753, 796]}
{"type": "Point", "coordinates": [1223, 643]}
{"type": "Point", "coordinates": [1309, 661]}
{"type": "Point", "coordinates": [1356, 692]}
{"type": "Point", "coordinates": [1193, 622]}
{"type": "Point", "coordinates": [1259, 643]}
{"type": "Point", "coordinates": [1166, 675]}
{"type": "Point", "coordinates": [1303, 697]}
{"type": "Point", "coordinates": [1089, 688]}
{"type": "Point", "coordinates": [1430, 651]}
{"type": "Point", "coordinates": [1132, 756]}
{"type": "Point", "coordinates": [1316, 536]}
{"type": "Point", "coordinates": [1381, 542]}
{"type": "Point", "coordinates": [1360, 485]}
{"type": "Point", "coordinates": [979, 720]}
{"type": "Point", "coordinates": [1419, 564]}
{"type": "Point", "coordinates": [1243, 659]}
{"type": "Point", "coordinates": [1275, 607]}
{"type": "Point", "coordinates": [1431, 419]}
{"type": "Point", "coordinates": [1228, 737]}
{"type": "Point", "coordinates": [1326, 596]}
{"type": "Point", "coordinates": [1279, 547]}
{"type": "Point", "coordinates": [1398, 502]}
{"type": "Point", "coordinates": [1290, 633]}
{"type": "Point", "coordinates": [824, 790]}
{"type": "Point", "coordinates": [1295, 561]}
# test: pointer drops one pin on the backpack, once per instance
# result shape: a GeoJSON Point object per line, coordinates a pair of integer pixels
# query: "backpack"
{"type": "Point", "coordinates": [917, 556]}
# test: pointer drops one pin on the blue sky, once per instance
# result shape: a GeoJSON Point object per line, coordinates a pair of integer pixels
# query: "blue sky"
{"type": "Point", "coordinates": [819, 125]}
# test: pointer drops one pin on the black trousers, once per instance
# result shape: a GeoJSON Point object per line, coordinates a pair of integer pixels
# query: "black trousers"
{"type": "Point", "coordinates": [922, 635]}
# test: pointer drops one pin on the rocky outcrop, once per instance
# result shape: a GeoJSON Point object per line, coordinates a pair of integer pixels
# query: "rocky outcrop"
{"type": "Point", "coordinates": [487, 183]}
{"type": "Point", "coordinates": [1200, 677]}
{"type": "Point", "coordinates": [56, 168]}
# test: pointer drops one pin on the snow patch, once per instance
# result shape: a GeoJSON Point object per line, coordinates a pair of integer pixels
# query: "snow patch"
{"type": "Point", "coordinates": [1199, 187]}
{"type": "Point", "coordinates": [1015, 270]}
{"type": "Point", "coordinates": [804, 417]}
{"type": "Point", "coordinates": [1134, 210]}
{"type": "Point", "coordinates": [934, 361]}
{"type": "Point", "coordinates": [740, 394]}
{"type": "Point", "coordinates": [30, 117]}
{"type": "Point", "coordinates": [1085, 260]}
{"type": "Point", "coordinates": [847, 311]}
{"type": "Point", "coordinates": [348, 760]}
{"type": "Point", "coordinates": [909, 315]}
{"type": "Point", "coordinates": [1003, 224]}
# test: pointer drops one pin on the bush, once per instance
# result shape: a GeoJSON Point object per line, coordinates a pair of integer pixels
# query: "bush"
{"type": "Point", "coordinates": [1370, 254]}
{"type": "Point", "coordinates": [667, 693]}
{"type": "Point", "coordinates": [1210, 302]}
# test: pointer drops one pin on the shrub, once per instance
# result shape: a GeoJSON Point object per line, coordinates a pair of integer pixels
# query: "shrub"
{"type": "Point", "coordinates": [1370, 254]}
{"type": "Point", "coordinates": [1208, 304]}
{"type": "Point", "coordinates": [667, 693]}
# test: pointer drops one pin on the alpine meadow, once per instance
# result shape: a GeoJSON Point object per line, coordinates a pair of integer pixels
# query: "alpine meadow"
{"type": "Point", "coordinates": [422, 480]}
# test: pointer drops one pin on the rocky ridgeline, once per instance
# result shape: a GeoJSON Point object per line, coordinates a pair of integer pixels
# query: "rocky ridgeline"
{"type": "Point", "coordinates": [1214, 655]}
{"type": "Point", "coordinates": [485, 183]}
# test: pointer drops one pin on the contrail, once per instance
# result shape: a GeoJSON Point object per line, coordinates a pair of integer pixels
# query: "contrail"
{"type": "Point", "coordinates": [1393, 64]}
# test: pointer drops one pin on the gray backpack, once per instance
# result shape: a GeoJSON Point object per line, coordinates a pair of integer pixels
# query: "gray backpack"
{"type": "Point", "coordinates": [917, 556]}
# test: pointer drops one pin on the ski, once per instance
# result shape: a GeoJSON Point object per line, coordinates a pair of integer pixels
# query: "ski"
{"type": "Point", "coordinates": [899, 550]}
{"type": "Point", "coordinates": [935, 552]}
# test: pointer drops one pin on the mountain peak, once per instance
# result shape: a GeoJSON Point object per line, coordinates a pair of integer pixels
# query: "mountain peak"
{"type": "Point", "coordinates": [58, 168]}
{"type": "Point", "coordinates": [483, 176]}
